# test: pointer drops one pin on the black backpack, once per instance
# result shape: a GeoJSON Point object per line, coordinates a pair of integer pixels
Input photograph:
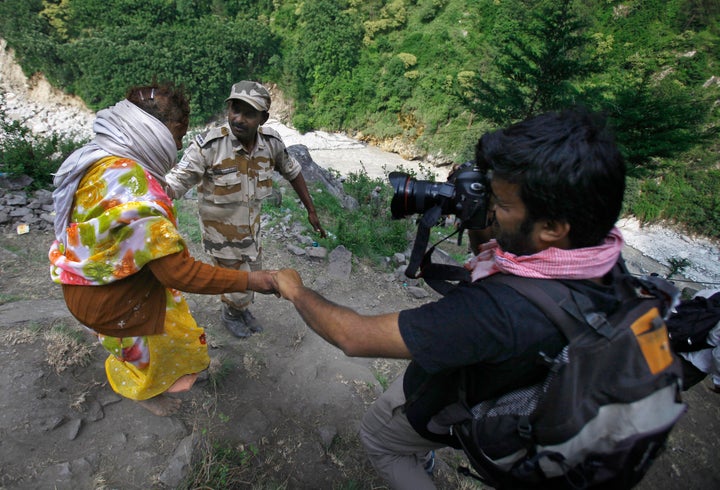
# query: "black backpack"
{"type": "Point", "coordinates": [689, 325]}
{"type": "Point", "coordinates": [604, 411]}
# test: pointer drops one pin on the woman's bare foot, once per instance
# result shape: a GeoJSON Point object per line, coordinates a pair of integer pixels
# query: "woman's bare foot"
{"type": "Point", "coordinates": [183, 384]}
{"type": "Point", "coordinates": [161, 405]}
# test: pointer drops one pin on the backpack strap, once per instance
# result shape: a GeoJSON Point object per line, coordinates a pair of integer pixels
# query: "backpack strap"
{"type": "Point", "coordinates": [557, 301]}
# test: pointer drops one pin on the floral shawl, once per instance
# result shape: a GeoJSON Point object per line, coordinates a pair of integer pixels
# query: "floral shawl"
{"type": "Point", "coordinates": [121, 220]}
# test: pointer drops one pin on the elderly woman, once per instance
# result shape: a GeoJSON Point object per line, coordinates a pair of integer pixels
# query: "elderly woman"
{"type": "Point", "coordinates": [120, 258]}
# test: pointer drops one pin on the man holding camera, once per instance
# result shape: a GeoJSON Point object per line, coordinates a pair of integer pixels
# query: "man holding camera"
{"type": "Point", "coordinates": [557, 183]}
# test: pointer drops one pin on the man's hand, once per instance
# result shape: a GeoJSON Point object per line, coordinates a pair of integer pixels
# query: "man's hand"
{"type": "Point", "coordinates": [315, 223]}
{"type": "Point", "coordinates": [288, 282]}
{"type": "Point", "coordinates": [262, 282]}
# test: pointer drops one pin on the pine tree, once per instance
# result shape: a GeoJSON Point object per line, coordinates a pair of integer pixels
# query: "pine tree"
{"type": "Point", "coordinates": [536, 63]}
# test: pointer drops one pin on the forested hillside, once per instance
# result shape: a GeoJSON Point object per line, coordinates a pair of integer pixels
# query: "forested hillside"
{"type": "Point", "coordinates": [436, 73]}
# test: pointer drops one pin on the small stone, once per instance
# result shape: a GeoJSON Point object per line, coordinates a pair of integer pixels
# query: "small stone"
{"type": "Point", "coordinates": [295, 250]}
{"type": "Point", "coordinates": [417, 292]}
{"type": "Point", "coordinates": [73, 428]}
{"type": "Point", "coordinates": [317, 253]}
{"type": "Point", "coordinates": [327, 435]}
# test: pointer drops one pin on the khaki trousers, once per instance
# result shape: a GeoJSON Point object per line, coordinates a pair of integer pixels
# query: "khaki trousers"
{"type": "Point", "coordinates": [395, 449]}
{"type": "Point", "coordinates": [239, 301]}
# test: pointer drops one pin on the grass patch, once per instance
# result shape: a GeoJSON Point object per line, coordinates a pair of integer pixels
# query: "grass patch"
{"type": "Point", "coordinates": [67, 348]}
{"type": "Point", "coordinates": [382, 379]}
{"type": "Point", "coordinates": [368, 231]}
{"type": "Point", "coordinates": [9, 298]}
{"type": "Point", "coordinates": [677, 265]}
{"type": "Point", "coordinates": [19, 336]}
{"type": "Point", "coordinates": [223, 466]}
{"type": "Point", "coordinates": [188, 220]}
{"type": "Point", "coordinates": [24, 153]}
{"type": "Point", "coordinates": [681, 195]}
{"type": "Point", "coordinates": [220, 368]}
{"type": "Point", "coordinates": [387, 370]}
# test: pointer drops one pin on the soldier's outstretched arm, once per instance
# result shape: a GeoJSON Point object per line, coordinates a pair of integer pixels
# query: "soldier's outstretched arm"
{"type": "Point", "coordinates": [298, 183]}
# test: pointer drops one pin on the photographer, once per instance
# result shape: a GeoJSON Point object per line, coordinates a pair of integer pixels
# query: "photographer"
{"type": "Point", "coordinates": [557, 184]}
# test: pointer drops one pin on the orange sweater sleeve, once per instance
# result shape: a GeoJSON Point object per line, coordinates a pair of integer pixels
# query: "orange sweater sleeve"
{"type": "Point", "coordinates": [136, 305]}
{"type": "Point", "coordinates": [181, 271]}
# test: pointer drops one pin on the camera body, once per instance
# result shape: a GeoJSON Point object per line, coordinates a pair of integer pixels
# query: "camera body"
{"type": "Point", "coordinates": [466, 194]}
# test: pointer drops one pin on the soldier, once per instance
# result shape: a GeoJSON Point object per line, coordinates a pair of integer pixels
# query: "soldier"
{"type": "Point", "coordinates": [233, 165]}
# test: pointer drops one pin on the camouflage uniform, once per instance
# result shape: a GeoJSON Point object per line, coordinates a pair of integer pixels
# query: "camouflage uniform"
{"type": "Point", "coordinates": [231, 185]}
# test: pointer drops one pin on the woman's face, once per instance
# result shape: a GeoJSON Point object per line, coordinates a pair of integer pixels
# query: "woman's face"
{"type": "Point", "coordinates": [178, 130]}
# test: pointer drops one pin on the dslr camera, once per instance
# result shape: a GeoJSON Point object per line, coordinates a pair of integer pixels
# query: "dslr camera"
{"type": "Point", "coordinates": [466, 194]}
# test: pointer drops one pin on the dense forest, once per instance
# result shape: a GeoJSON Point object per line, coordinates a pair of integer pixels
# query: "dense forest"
{"type": "Point", "coordinates": [435, 73]}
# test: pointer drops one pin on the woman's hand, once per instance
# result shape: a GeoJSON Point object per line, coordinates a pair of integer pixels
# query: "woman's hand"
{"type": "Point", "coordinates": [262, 282]}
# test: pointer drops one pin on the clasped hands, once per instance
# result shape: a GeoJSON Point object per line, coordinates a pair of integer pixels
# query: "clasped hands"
{"type": "Point", "coordinates": [281, 283]}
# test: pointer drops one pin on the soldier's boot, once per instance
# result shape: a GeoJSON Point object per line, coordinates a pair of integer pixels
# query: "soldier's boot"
{"type": "Point", "coordinates": [241, 323]}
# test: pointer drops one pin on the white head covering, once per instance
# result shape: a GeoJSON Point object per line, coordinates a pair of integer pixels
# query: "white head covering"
{"type": "Point", "coordinates": [123, 130]}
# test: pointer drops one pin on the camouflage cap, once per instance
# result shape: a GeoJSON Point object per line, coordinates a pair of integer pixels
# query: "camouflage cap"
{"type": "Point", "coordinates": [251, 92]}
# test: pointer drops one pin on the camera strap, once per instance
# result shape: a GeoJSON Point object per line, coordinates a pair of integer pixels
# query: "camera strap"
{"type": "Point", "coordinates": [428, 220]}
{"type": "Point", "coordinates": [437, 276]}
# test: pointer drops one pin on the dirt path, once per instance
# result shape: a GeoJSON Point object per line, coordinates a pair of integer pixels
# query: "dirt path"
{"type": "Point", "coordinates": [286, 402]}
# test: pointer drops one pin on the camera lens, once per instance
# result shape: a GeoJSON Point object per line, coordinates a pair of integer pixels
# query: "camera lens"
{"type": "Point", "coordinates": [403, 186]}
{"type": "Point", "coordinates": [415, 196]}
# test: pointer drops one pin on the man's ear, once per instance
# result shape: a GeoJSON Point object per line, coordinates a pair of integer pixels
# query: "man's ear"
{"type": "Point", "coordinates": [555, 233]}
{"type": "Point", "coordinates": [266, 116]}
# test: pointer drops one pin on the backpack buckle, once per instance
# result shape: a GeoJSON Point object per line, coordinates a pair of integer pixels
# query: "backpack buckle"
{"type": "Point", "coordinates": [599, 322]}
{"type": "Point", "coordinates": [524, 427]}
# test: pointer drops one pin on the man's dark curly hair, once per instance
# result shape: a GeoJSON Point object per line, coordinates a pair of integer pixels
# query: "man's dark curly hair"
{"type": "Point", "coordinates": [568, 169]}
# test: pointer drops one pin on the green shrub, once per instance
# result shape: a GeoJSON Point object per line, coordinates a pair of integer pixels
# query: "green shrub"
{"type": "Point", "coordinates": [222, 466]}
{"type": "Point", "coordinates": [188, 221]}
{"type": "Point", "coordinates": [368, 231]}
{"type": "Point", "coordinates": [302, 122]}
{"type": "Point", "coordinates": [23, 153]}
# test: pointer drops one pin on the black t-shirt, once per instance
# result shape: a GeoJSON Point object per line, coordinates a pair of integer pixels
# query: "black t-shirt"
{"type": "Point", "coordinates": [488, 329]}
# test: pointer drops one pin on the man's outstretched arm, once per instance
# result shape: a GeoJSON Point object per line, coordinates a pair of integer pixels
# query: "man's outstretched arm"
{"type": "Point", "coordinates": [357, 335]}
{"type": "Point", "coordinates": [300, 187]}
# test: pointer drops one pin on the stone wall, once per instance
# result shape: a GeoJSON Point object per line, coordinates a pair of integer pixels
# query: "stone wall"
{"type": "Point", "coordinates": [21, 211]}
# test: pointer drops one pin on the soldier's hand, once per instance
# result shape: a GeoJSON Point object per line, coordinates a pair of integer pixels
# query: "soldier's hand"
{"type": "Point", "coordinates": [315, 223]}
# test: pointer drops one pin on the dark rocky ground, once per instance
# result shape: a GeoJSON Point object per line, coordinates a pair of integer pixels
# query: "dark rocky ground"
{"type": "Point", "coordinates": [285, 400]}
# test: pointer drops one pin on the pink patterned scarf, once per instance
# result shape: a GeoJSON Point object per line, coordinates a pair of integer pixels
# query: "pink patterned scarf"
{"type": "Point", "coordinates": [551, 263]}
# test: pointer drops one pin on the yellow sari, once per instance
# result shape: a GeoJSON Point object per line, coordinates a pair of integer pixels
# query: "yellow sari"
{"type": "Point", "coordinates": [121, 220]}
{"type": "Point", "coordinates": [143, 367]}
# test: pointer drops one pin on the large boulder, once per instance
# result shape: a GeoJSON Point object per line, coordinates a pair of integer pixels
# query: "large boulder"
{"type": "Point", "coordinates": [315, 173]}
